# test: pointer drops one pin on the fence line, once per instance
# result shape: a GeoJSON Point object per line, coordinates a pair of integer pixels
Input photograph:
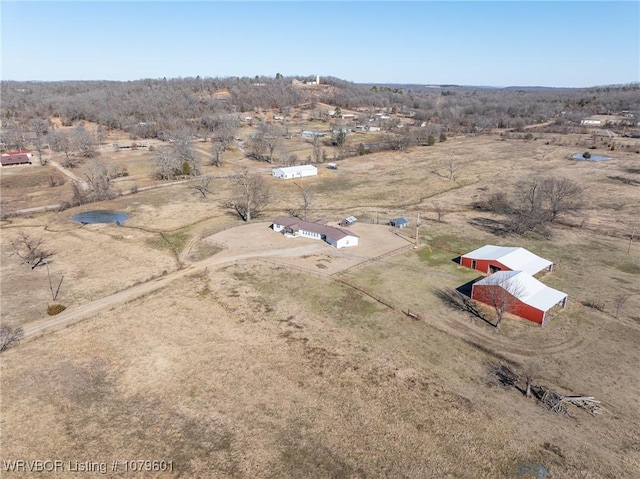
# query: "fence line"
{"type": "Point", "coordinates": [369, 261]}
{"type": "Point", "coordinates": [318, 274]}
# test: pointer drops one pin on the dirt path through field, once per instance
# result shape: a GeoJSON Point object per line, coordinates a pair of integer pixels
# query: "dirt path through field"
{"type": "Point", "coordinates": [134, 292]}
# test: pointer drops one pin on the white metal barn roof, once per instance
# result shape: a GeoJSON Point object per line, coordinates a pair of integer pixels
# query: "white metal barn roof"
{"type": "Point", "coordinates": [298, 169]}
{"type": "Point", "coordinates": [514, 258]}
{"type": "Point", "coordinates": [529, 290]}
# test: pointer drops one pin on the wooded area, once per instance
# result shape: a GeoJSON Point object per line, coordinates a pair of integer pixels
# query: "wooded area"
{"type": "Point", "coordinates": [177, 108]}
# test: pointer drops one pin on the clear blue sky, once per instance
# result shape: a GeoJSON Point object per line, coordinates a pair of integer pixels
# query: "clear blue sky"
{"type": "Point", "coordinates": [425, 42]}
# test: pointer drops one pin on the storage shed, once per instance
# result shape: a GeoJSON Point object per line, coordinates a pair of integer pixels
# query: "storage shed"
{"type": "Point", "coordinates": [490, 259]}
{"type": "Point", "coordinates": [289, 172]}
{"type": "Point", "coordinates": [400, 222]}
{"type": "Point", "coordinates": [521, 293]}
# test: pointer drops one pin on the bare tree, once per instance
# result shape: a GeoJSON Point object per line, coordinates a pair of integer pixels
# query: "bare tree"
{"type": "Point", "coordinates": [439, 209]}
{"type": "Point", "coordinates": [30, 250]}
{"type": "Point", "coordinates": [60, 142]}
{"type": "Point", "coordinates": [452, 169]}
{"type": "Point", "coordinates": [166, 164]}
{"type": "Point", "coordinates": [560, 196]}
{"type": "Point", "coordinates": [306, 197]}
{"type": "Point", "coordinates": [203, 186]}
{"type": "Point", "coordinates": [97, 180]}
{"type": "Point", "coordinates": [101, 134]}
{"type": "Point", "coordinates": [251, 195]}
{"type": "Point", "coordinates": [224, 130]}
{"type": "Point", "coordinates": [9, 336]}
{"type": "Point", "coordinates": [618, 303]}
{"type": "Point", "coordinates": [317, 149]}
{"type": "Point", "coordinates": [40, 128]}
{"type": "Point", "coordinates": [83, 142]}
{"type": "Point", "coordinates": [501, 293]}
{"type": "Point", "coordinates": [217, 151]}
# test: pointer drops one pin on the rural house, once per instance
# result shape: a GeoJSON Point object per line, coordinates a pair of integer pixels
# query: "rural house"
{"type": "Point", "coordinates": [22, 157]}
{"type": "Point", "coordinates": [520, 294]}
{"type": "Point", "coordinates": [490, 259]}
{"type": "Point", "coordinates": [336, 237]}
{"type": "Point", "coordinates": [289, 172]}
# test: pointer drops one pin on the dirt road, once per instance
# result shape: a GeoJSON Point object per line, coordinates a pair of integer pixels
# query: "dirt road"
{"type": "Point", "coordinates": [109, 302]}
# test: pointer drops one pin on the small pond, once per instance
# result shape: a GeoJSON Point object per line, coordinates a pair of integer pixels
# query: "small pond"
{"type": "Point", "coordinates": [100, 216]}
{"type": "Point", "coordinates": [591, 158]}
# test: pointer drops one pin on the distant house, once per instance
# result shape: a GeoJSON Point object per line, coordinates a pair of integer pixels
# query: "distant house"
{"type": "Point", "coordinates": [521, 293]}
{"type": "Point", "coordinates": [400, 222]}
{"type": "Point", "coordinates": [490, 259]}
{"type": "Point", "coordinates": [348, 116]}
{"type": "Point", "coordinates": [336, 237]}
{"type": "Point", "coordinates": [22, 157]}
{"type": "Point", "coordinates": [332, 166]}
{"type": "Point", "coordinates": [374, 128]}
{"type": "Point", "coordinates": [289, 172]}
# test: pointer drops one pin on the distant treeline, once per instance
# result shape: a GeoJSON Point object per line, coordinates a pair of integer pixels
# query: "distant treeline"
{"type": "Point", "coordinates": [152, 108]}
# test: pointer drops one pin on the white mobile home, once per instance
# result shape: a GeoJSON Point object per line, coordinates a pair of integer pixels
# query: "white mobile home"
{"type": "Point", "coordinates": [289, 172]}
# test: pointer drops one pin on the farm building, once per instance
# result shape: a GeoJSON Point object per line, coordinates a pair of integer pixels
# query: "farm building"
{"type": "Point", "coordinates": [22, 157]}
{"type": "Point", "coordinates": [490, 259]}
{"type": "Point", "coordinates": [289, 172]}
{"type": "Point", "coordinates": [351, 220]}
{"type": "Point", "coordinates": [400, 222]}
{"type": "Point", "coordinates": [336, 237]}
{"type": "Point", "coordinates": [311, 134]}
{"type": "Point", "coordinates": [520, 293]}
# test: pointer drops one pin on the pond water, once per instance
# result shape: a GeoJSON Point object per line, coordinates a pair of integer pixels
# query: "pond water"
{"type": "Point", "coordinates": [592, 158]}
{"type": "Point", "coordinates": [100, 216]}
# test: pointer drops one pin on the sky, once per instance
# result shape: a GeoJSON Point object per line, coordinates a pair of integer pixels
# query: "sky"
{"type": "Point", "coordinates": [503, 43]}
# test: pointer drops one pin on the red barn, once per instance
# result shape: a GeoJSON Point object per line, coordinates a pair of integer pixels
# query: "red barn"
{"type": "Point", "coordinates": [490, 259]}
{"type": "Point", "coordinates": [520, 294]}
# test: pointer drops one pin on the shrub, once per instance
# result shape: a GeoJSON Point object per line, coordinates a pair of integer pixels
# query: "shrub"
{"type": "Point", "coordinates": [54, 309]}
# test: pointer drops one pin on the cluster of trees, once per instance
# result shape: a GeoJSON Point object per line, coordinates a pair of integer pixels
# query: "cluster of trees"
{"type": "Point", "coordinates": [536, 203]}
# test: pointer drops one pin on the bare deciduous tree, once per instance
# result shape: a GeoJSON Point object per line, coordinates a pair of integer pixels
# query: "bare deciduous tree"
{"type": "Point", "coordinates": [501, 294]}
{"type": "Point", "coordinates": [618, 303]}
{"type": "Point", "coordinates": [251, 195]}
{"type": "Point", "coordinates": [452, 169]}
{"type": "Point", "coordinates": [203, 186]}
{"type": "Point", "coordinates": [83, 142]}
{"type": "Point", "coordinates": [30, 250]}
{"type": "Point", "coordinates": [439, 209]}
{"type": "Point", "coordinates": [560, 196]}
{"type": "Point", "coordinates": [217, 151]}
{"type": "Point", "coordinates": [60, 142]}
{"type": "Point", "coordinates": [306, 200]}
{"type": "Point", "coordinates": [9, 336]}
{"type": "Point", "coordinates": [40, 128]}
{"type": "Point", "coordinates": [98, 179]}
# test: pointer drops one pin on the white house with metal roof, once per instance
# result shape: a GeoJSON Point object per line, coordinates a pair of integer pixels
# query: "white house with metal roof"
{"type": "Point", "coordinates": [490, 259]}
{"type": "Point", "coordinates": [336, 237]}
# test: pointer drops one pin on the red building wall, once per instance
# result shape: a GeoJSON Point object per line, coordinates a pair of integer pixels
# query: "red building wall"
{"type": "Point", "coordinates": [482, 264]}
{"type": "Point", "coordinates": [483, 294]}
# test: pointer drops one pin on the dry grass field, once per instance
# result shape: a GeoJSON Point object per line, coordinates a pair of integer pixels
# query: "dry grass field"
{"type": "Point", "coordinates": [257, 370]}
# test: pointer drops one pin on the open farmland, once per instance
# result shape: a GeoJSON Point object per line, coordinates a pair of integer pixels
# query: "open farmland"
{"type": "Point", "coordinates": [250, 369]}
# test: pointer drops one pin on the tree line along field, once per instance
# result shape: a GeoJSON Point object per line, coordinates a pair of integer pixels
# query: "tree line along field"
{"type": "Point", "coordinates": [256, 370]}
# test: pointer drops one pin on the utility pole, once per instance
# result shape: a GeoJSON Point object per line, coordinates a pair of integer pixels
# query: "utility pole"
{"type": "Point", "coordinates": [417, 232]}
